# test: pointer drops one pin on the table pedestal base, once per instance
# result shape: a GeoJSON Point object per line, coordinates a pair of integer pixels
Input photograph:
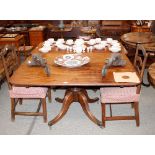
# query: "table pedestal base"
{"type": "Point", "coordinates": [76, 95]}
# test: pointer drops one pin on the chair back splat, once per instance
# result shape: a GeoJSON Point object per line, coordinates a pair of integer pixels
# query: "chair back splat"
{"type": "Point", "coordinates": [140, 62]}
{"type": "Point", "coordinates": [10, 61]}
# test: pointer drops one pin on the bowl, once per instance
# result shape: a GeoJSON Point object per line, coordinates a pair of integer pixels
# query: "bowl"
{"type": "Point", "coordinates": [47, 43]}
{"type": "Point", "coordinates": [98, 40]}
{"type": "Point", "coordinates": [61, 40]}
{"type": "Point", "coordinates": [92, 42]}
{"type": "Point", "coordinates": [114, 49]}
{"type": "Point", "coordinates": [116, 44]}
{"type": "Point", "coordinates": [109, 40]}
{"type": "Point", "coordinates": [70, 42]}
{"type": "Point", "coordinates": [44, 49]}
{"type": "Point", "coordinates": [114, 41]}
{"type": "Point", "coordinates": [62, 46]}
{"type": "Point", "coordinates": [51, 40]}
{"type": "Point", "coordinates": [79, 42]}
{"type": "Point", "coordinates": [99, 46]}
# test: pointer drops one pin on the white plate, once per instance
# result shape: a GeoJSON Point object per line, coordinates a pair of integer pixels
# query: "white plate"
{"type": "Point", "coordinates": [71, 60]}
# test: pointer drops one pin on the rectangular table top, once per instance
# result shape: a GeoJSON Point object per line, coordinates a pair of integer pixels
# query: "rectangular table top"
{"type": "Point", "coordinates": [87, 75]}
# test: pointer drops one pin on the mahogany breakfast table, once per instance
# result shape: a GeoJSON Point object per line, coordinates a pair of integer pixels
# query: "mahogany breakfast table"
{"type": "Point", "coordinates": [75, 80]}
{"type": "Point", "coordinates": [145, 38]}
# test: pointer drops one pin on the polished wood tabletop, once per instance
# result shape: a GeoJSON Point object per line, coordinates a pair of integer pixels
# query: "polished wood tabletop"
{"type": "Point", "coordinates": [87, 75]}
{"type": "Point", "coordinates": [75, 79]}
{"type": "Point", "coordinates": [145, 38]}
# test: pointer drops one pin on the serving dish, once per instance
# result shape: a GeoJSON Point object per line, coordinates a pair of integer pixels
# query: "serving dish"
{"type": "Point", "coordinates": [71, 60]}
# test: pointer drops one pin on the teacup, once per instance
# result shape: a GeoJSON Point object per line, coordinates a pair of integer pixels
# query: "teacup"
{"type": "Point", "coordinates": [61, 40]}
{"type": "Point", "coordinates": [114, 49]}
{"type": "Point", "coordinates": [79, 42]}
{"type": "Point", "coordinates": [47, 43]}
{"type": "Point", "coordinates": [103, 43]}
{"type": "Point", "coordinates": [62, 46]}
{"type": "Point", "coordinates": [92, 42]}
{"type": "Point", "coordinates": [99, 46]}
{"type": "Point", "coordinates": [78, 48]}
{"type": "Point", "coordinates": [69, 42]}
{"type": "Point", "coordinates": [51, 40]}
{"type": "Point", "coordinates": [45, 49]}
{"type": "Point", "coordinates": [98, 40]}
{"type": "Point", "coordinates": [109, 40]}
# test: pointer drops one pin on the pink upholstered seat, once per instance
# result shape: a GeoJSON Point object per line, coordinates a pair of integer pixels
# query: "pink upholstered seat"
{"type": "Point", "coordinates": [31, 92]}
{"type": "Point", "coordinates": [119, 95]}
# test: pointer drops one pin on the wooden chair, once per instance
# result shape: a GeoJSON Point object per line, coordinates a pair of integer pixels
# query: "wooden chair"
{"type": "Point", "coordinates": [9, 59]}
{"type": "Point", "coordinates": [24, 50]}
{"type": "Point", "coordinates": [125, 95]}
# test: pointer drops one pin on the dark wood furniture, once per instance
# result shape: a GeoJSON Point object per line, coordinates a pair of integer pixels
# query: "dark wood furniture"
{"type": "Point", "coordinates": [108, 28]}
{"type": "Point", "coordinates": [88, 31]}
{"type": "Point", "coordinates": [114, 28]}
{"type": "Point", "coordinates": [122, 98]}
{"type": "Point", "coordinates": [130, 40]}
{"type": "Point", "coordinates": [144, 28]}
{"type": "Point", "coordinates": [37, 35]}
{"type": "Point", "coordinates": [10, 63]}
{"type": "Point", "coordinates": [145, 38]}
{"type": "Point", "coordinates": [151, 73]}
{"type": "Point", "coordinates": [13, 40]}
{"type": "Point", "coordinates": [56, 32]}
{"type": "Point", "coordinates": [76, 80]}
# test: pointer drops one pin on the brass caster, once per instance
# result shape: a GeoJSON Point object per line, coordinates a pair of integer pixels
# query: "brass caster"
{"type": "Point", "coordinates": [100, 125]}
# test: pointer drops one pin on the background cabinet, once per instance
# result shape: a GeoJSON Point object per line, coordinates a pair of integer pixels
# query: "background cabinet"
{"type": "Point", "coordinates": [37, 35]}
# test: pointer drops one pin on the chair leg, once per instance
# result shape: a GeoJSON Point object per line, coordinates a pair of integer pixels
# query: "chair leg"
{"type": "Point", "coordinates": [103, 114]}
{"type": "Point", "coordinates": [110, 110]}
{"type": "Point", "coordinates": [12, 109]}
{"type": "Point", "coordinates": [44, 109]}
{"type": "Point", "coordinates": [132, 105]}
{"type": "Point", "coordinates": [20, 101]}
{"type": "Point", "coordinates": [49, 95]}
{"type": "Point", "coordinates": [136, 107]}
